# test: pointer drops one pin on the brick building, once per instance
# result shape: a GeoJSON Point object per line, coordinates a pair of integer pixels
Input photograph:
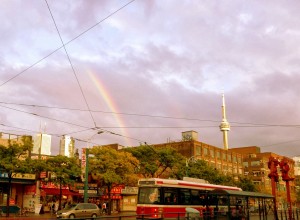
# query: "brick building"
{"type": "Point", "coordinates": [226, 161]}
{"type": "Point", "coordinates": [255, 165]}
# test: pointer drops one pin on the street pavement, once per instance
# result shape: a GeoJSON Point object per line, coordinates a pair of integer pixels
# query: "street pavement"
{"type": "Point", "coordinates": [49, 216]}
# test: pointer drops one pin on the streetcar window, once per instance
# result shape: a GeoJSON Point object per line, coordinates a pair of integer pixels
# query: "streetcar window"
{"type": "Point", "coordinates": [149, 195]}
{"type": "Point", "coordinates": [198, 197]}
{"type": "Point", "coordinates": [184, 197]}
{"type": "Point", "coordinates": [170, 196]}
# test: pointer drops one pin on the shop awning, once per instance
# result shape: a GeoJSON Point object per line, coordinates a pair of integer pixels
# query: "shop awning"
{"type": "Point", "coordinates": [55, 191]}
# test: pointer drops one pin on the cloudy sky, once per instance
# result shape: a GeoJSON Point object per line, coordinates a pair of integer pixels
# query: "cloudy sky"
{"type": "Point", "coordinates": [147, 70]}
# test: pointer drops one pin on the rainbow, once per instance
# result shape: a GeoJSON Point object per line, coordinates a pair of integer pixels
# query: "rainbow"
{"type": "Point", "coordinates": [109, 102]}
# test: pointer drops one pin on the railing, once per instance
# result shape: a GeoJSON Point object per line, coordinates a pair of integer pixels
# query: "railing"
{"type": "Point", "coordinates": [282, 215]}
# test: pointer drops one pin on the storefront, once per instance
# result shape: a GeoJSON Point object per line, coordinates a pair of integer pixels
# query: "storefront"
{"type": "Point", "coordinates": [51, 192]}
{"type": "Point", "coordinates": [129, 200]}
{"type": "Point", "coordinates": [18, 186]}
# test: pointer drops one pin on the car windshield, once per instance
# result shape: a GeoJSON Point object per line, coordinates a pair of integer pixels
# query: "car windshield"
{"type": "Point", "coordinates": [149, 195]}
{"type": "Point", "coordinates": [68, 207]}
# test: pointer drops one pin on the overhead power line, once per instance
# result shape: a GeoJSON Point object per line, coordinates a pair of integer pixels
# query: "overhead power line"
{"type": "Point", "coordinates": [72, 67]}
{"type": "Point", "coordinates": [54, 51]}
{"type": "Point", "coordinates": [238, 124]}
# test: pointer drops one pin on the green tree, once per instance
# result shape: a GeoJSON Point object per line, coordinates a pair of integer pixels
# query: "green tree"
{"type": "Point", "coordinates": [14, 159]}
{"type": "Point", "coordinates": [145, 154]}
{"type": "Point", "coordinates": [202, 170]}
{"type": "Point", "coordinates": [65, 170]}
{"type": "Point", "coordinates": [157, 162]}
{"type": "Point", "coordinates": [246, 184]}
{"type": "Point", "coordinates": [111, 167]}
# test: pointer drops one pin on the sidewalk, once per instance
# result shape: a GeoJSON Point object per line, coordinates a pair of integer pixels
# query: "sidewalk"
{"type": "Point", "coordinates": [48, 216]}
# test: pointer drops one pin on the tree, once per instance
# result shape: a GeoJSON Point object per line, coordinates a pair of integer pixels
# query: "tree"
{"type": "Point", "coordinates": [111, 167]}
{"type": "Point", "coordinates": [14, 159]}
{"type": "Point", "coordinates": [65, 170]}
{"type": "Point", "coordinates": [157, 162]}
{"type": "Point", "coordinates": [246, 184]}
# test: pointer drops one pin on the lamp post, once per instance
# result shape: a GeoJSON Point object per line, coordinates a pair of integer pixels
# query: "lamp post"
{"type": "Point", "coordinates": [86, 175]}
{"type": "Point", "coordinates": [187, 161]}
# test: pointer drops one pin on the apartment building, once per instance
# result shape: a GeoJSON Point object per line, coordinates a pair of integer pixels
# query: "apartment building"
{"type": "Point", "coordinates": [224, 160]}
{"type": "Point", "coordinates": [255, 165]}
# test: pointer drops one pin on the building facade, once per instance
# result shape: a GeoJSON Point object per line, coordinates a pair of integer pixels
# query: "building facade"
{"type": "Point", "coordinates": [228, 162]}
{"type": "Point", "coordinates": [67, 146]}
{"type": "Point", "coordinates": [255, 165]}
{"type": "Point", "coordinates": [42, 144]}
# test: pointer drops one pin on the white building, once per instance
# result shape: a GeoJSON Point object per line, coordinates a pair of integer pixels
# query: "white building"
{"type": "Point", "coordinates": [66, 147]}
{"type": "Point", "coordinates": [297, 165]}
{"type": "Point", "coordinates": [42, 144]}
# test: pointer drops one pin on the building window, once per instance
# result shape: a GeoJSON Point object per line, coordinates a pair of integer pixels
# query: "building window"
{"type": "Point", "coordinates": [212, 153]}
{"type": "Point", "coordinates": [234, 159]}
{"type": "Point", "coordinates": [255, 163]}
{"type": "Point", "coordinates": [245, 164]}
{"type": "Point", "coordinates": [256, 173]}
{"type": "Point", "coordinates": [239, 160]}
{"type": "Point", "coordinates": [229, 157]}
{"type": "Point", "coordinates": [224, 156]}
{"type": "Point", "coordinates": [205, 151]}
{"type": "Point", "coordinates": [198, 150]}
{"type": "Point", "coordinates": [218, 155]}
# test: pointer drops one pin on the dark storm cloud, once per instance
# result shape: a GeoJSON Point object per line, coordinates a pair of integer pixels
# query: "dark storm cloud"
{"type": "Point", "coordinates": [155, 59]}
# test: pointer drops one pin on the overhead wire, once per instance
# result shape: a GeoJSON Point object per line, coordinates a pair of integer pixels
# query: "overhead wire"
{"type": "Point", "coordinates": [63, 46]}
{"type": "Point", "coordinates": [72, 67]}
{"type": "Point", "coordinates": [68, 42]}
{"type": "Point", "coordinates": [238, 124]}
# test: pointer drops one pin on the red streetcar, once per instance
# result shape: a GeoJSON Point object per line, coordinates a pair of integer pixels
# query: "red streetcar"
{"type": "Point", "coordinates": [167, 198]}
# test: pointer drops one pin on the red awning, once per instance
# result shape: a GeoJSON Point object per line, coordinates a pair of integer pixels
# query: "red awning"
{"type": "Point", "coordinates": [55, 191]}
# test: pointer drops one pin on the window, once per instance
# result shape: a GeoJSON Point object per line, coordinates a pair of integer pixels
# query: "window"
{"type": "Point", "coordinates": [198, 150]}
{"type": "Point", "coordinates": [149, 195]}
{"type": "Point", "coordinates": [234, 159]}
{"type": "Point", "coordinates": [218, 155]}
{"type": "Point", "coordinates": [224, 156]}
{"type": "Point", "coordinates": [256, 173]}
{"type": "Point", "coordinates": [198, 197]}
{"type": "Point", "coordinates": [229, 157]}
{"type": "Point", "coordinates": [245, 164]}
{"type": "Point", "coordinates": [212, 153]}
{"type": "Point", "coordinates": [184, 197]}
{"type": "Point", "coordinates": [255, 163]}
{"type": "Point", "coordinates": [205, 151]}
{"type": "Point", "coordinates": [170, 196]}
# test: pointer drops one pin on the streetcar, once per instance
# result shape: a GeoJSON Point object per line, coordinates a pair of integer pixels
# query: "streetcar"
{"type": "Point", "coordinates": [167, 198]}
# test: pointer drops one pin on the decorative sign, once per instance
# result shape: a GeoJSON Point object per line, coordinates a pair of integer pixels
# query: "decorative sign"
{"type": "Point", "coordinates": [130, 190]}
{"type": "Point", "coordinates": [27, 176]}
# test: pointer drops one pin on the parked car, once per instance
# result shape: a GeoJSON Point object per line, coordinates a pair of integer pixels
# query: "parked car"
{"type": "Point", "coordinates": [81, 210]}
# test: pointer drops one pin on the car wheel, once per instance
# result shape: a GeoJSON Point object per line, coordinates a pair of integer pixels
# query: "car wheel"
{"type": "Point", "coordinates": [72, 216]}
{"type": "Point", "coordinates": [94, 215]}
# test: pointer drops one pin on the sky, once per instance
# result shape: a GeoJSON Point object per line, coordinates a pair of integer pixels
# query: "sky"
{"type": "Point", "coordinates": [146, 70]}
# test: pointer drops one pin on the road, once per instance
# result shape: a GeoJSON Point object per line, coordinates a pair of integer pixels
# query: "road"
{"type": "Point", "coordinates": [48, 216]}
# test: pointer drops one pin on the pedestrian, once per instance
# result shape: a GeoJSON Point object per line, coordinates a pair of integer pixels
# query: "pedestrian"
{"type": "Point", "coordinates": [56, 207]}
{"type": "Point", "coordinates": [53, 208]}
{"type": "Point", "coordinates": [104, 207]}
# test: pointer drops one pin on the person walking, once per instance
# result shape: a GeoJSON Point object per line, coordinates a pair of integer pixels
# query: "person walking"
{"type": "Point", "coordinates": [104, 207]}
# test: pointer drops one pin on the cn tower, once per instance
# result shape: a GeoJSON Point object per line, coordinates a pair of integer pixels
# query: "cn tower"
{"type": "Point", "coordinates": [224, 126]}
